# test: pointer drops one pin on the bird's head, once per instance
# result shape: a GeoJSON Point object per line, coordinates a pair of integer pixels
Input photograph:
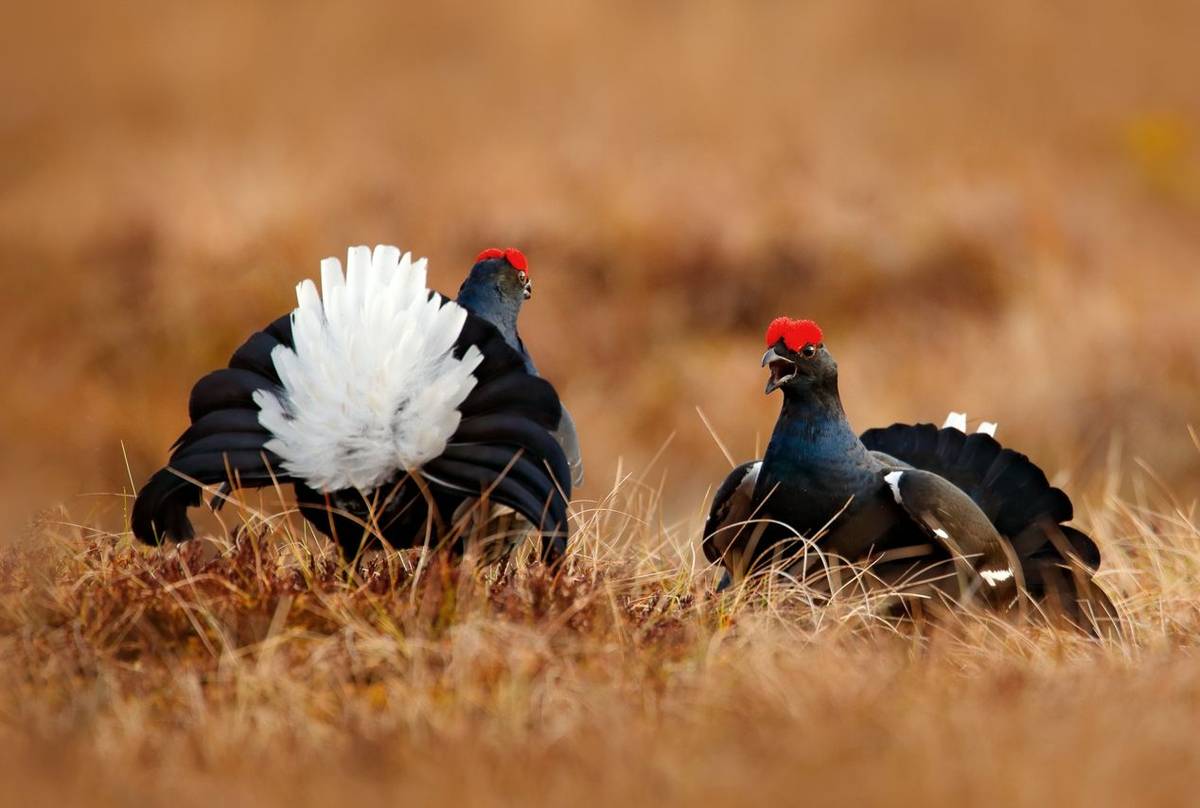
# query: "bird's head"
{"type": "Point", "coordinates": [505, 270]}
{"type": "Point", "coordinates": [796, 356]}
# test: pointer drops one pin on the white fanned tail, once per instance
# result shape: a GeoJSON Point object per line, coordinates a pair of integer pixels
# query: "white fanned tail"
{"type": "Point", "coordinates": [372, 387]}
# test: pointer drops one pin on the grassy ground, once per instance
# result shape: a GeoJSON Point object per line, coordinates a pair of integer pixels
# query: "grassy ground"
{"type": "Point", "coordinates": [988, 206]}
{"type": "Point", "coordinates": [261, 670]}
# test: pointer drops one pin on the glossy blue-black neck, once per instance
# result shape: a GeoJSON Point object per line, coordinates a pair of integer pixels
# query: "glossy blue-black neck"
{"type": "Point", "coordinates": [489, 293]}
{"type": "Point", "coordinates": [815, 462]}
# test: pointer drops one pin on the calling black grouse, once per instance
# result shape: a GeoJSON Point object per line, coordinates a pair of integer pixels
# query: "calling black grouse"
{"type": "Point", "coordinates": [928, 510]}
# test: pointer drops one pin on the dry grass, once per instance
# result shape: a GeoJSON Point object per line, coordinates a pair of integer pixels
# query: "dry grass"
{"type": "Point", "coordinates": [988, 206]}
{"type": "Point", "coordinates": [259, 669]}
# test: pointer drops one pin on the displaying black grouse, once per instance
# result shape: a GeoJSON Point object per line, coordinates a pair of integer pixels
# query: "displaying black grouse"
{"type": "Point", "coordinates": [385, 406]}
{"type": "Point", "coordinates": [495, 289]}
{"type": "Point", "coordinates": [927, 510]}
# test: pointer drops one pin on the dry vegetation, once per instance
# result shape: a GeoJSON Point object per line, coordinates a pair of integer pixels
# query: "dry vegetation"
{"type": "Point", "coordinates": [262, 670]}
{"type": "Point", "coordinates": [990, 207]}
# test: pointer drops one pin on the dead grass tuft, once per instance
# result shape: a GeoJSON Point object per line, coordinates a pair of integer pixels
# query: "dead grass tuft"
{"type": "Point", "coordinates": [258, 666]}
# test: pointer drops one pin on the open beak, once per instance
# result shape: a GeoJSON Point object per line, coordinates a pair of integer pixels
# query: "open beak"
{"type": "Point", "coordinates": [783, 370]}
{"type": "Point", "coordinates": [528, 289]}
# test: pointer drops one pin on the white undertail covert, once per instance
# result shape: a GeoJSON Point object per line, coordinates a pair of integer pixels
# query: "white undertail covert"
{"type": "Point", "coordinates": [372, 387]}
{"type": "Point", "coordinates": [958, 420]}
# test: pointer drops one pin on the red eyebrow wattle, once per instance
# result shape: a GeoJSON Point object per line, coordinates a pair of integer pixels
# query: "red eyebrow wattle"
{"type": "Point", "coordinates": [512, 255]}
{"type": "Point", "coordinates": [794, 333]}
{"type": "Point", "coordinates": [517, 259]}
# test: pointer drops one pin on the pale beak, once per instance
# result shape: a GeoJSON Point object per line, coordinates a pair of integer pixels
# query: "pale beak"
{"type": "Point", "coordinates": [528, 289]}
{"type": "Point", "coordinates": [783, 370]}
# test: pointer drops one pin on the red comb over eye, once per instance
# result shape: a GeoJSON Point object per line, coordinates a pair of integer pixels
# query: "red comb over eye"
{"type": "Point", "coordinates": [517, 259]}
{"type": "Point", "coordinates": [776, 330]}
{"type": "Point", "coordinates": [512, 255]}
{"type": "Point", "coordinates": [794, 333]}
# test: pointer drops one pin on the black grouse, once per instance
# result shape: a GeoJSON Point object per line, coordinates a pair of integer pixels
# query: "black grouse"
{"type": "Point", "coordinates": [386, 406]}
{"type": "Point", "coordinates": [496, 287]}
{"type": "Point", "coordinates": [927, 510]}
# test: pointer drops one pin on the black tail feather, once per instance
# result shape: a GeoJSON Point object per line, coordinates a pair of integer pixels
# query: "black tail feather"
{"type": "Point", "coordinates": [220, 422]}
{"type": "Point", "coordinates": [231, 443]}
{"type": "Point", "coordinates": [515, 392]}
{"type": "Point", "coordinates": [281, 329]}
{"type": "Point", "coordinates": [254, 355]}
{"type": "Point", "coordinates": [511, 430]}
{"type": "Point", "coordinates": [160, 510]}
{"type": "Point", "coordinates": [1070, 592]}
{"type": "Point", "coordinates": [503, 460]}
{"type": "Point", "coordinates": [1083, 546]}
{"type": "Point", "coordinates": [548, 513]}
{"type": "Point", "coordinates": [225, 444]}
{"type": "Point", "coordinates": [1057, 560]}
{"type": "Point", "coordinates": [1005, 484]}
{"type": "Point", "coordinates": [544, 512]}
{"type": "Point", "coordinates": [228, 388]}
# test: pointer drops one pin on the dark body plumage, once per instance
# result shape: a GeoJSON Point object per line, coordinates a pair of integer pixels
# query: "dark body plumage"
{"type": "Point", "coordinates": [502, 449]}
{"type": "Point", "coordinates": [930, 510]}
{"type": "Point", "coordinates": [493, 291]}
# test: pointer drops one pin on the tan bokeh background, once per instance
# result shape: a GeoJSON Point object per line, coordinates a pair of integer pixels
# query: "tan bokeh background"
{"type": "Point", "coordinates": [992, 207]}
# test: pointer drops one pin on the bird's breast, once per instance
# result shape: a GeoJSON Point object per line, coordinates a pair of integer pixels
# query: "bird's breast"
{"type": "Point", "coordinates": [807, 485]}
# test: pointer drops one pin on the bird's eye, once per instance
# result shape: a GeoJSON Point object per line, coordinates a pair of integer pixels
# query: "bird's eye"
{"type": "Point", "coordinates": [809, 350]}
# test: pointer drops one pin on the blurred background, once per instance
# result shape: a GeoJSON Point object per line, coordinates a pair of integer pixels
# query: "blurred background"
{"type": "Point", "coordinates": [988, 206]}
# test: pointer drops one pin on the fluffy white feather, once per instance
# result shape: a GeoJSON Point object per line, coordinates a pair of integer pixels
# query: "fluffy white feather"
{"type": "Point", "coordinates": [372, 386]}
{"type": "Point", "coordinates": [987, 428]}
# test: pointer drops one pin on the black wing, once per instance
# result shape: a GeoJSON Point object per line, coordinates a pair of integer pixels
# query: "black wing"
{"type": "Point", "coordinates": [1005, 484]}
{"type": "Point", "coordinates": [951, 519]}
{"type": "Point", "coordinates": [732, 506]}
{"type": "Point", "coordinates": [1057, 560]}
